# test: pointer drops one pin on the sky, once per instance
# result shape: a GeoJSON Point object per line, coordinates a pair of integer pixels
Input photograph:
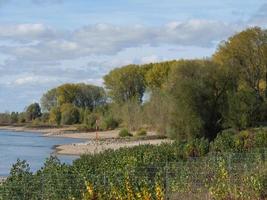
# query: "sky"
{"type": "Point", "coordinates": [45, 43]}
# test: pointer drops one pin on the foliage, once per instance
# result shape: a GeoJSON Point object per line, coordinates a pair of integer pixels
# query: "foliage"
{"type": "Point", "coordinates": [33, 111]}
{"type": "Point", "coordinates": [197, 91]}
{"type": "Point", "coordinates": [141, 132]}
{"type": "Point", "coordinates": [244, 55]}
{"type": "Point", "coordinates": [125, 83]}
{"type": "Point", "coordinates": [49, 100]}
{"type": "Point", "coordinates": [55, 116]}
{"type": "Point", "coordinates": [125, 133]}
{"type": "Point", "coordinates": [109, 123]}
{"type": "Point", "coordinates": [147, 172]}
{"type": "Point", "coordinates": [14, 117]}
{"type": "Point", "coordinates": [81, 95]}
{"type": "Point", "coordinates": [158, 73]}
{"type": "Point", "coordinates": [69, 114]}
{"type": "Point", "coordinates": [243, 109]}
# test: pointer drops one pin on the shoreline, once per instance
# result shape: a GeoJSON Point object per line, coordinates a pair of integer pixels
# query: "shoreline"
{"type": "Point", "coordinates": [90, 145]}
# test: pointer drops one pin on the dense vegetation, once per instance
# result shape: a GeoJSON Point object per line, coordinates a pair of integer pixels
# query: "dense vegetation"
{"type": "Point", "coordinates": [210, 106]}
{"type": "Point", "coordinates": [152, 172]}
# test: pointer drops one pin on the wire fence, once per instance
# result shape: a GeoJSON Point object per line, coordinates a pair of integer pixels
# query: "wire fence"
{"type": "Point", "coordinates": [217, 176]}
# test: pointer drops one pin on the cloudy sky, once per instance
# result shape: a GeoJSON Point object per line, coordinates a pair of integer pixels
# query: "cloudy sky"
{"type": "Point", "coordinates": [44, 43]}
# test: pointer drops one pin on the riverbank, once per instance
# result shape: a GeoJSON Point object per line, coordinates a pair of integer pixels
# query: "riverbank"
{"type": "Point", "coordinates": [94, 142]}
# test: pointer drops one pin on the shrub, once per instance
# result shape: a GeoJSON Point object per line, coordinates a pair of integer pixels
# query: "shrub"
{"type": "Point", "coordinates": [109, 123]}
{"type": "Point", "coordinates": [261, 138]}
{"type": "Point", "coordinates": [224, 141]}
{"type": "Point", "coordinates": [196, 148]}
{"type": "Point", "coordinates": [141, 132]}
{"type": "Point", "coordinates": [125, 133]}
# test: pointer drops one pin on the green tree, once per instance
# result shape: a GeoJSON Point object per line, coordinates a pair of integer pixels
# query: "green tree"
{"type": "Point", "coordinates": [158, 74]}
{"type": "Point", "coordinates": [244, 55]}
{"type": "Point", "coordinates": [49, 100]}
{"type": "Point", "coordinates": [14, 117]}
{"type": "Point", "coordinates": [69, 114]}
{"type": "Point", "coordinates": [33, 111]}
{"type": "Point", "coordinates": [55, 116]}
{"type": "Point", "coordinates": [67, 93]}
{"type": "Point", "coordinates": [198, 92]}
{"type": "Point", "coordinates": [125, 83]}
{"type": "Point", "coordinates": [80, 95]}
{"type": "Point", "coordinates": [90, 96]}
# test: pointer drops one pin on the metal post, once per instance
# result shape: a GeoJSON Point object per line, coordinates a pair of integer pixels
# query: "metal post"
{"type": "Point", "coordinates": [42, 186]}
{"type": "Point", "coordinates": [166, 182]}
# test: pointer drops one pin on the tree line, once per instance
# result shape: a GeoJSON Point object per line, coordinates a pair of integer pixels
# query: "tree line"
{"type": "Point", "coordinates": [181, 98]}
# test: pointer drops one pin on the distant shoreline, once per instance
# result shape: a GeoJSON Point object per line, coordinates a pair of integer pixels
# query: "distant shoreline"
{"type": "Point", "coordinates": [106, 139]}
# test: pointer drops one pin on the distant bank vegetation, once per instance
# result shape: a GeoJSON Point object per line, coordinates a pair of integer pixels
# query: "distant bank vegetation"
{"type": "Point", "coordinates": [182, 99]}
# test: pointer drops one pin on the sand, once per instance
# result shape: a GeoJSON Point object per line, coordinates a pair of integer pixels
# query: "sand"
{"type": "Point", "coordinates": [93, 146]}
{"type": "Point", "coordinates": [95, 142]}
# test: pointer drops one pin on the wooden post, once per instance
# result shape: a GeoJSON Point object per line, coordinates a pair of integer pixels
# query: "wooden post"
{"type": "Point", "coordinates": [96, 133]}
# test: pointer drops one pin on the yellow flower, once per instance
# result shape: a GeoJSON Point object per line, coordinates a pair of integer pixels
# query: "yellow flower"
{"type": "Point", "coordinates": [159, 192]}
{"type": "Point", "coordinates": [146, 195]}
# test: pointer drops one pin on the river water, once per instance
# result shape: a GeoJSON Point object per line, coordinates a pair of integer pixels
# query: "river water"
{"type": "Point", "coordinates": [33, 147]}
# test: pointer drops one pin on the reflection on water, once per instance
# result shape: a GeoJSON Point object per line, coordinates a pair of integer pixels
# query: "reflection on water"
{"type": "Point", "coordinates": [32, 147]}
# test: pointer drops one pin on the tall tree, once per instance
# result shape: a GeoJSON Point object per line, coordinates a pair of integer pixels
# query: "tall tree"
{"type": "Point", "coordinates": [125, 83]}
{"type": "Point", "coordinates": [245, 55]}
{"type": "Point", "coordinates": [49, 100]}
{"type": "Point", "coordinates": [158, 74]}
{"type": "Point", "coordinates": [33, 111]}
{"type": "Point", "coordinates": [198, 90]}
{"type": "Point", "coordinates": [80, 95]}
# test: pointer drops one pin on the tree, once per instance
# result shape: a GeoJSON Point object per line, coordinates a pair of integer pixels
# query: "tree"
{"type": "Point", "coordinates": [158, 74]}
{"type": "Point", "coordinates": [125, 83]}
{"type": "Point", "coordinates": [55, 116]}
{"type": "Point", "coordinates": [33, 111]}
{"type": "Point", "coordinates": [14, 117]}
{"type": "Point", "coordinates": [89, 96]}
{"type": "Point", "coordinates": [69, 114]}
{"type": "Point", "coordinates": [80, 95]}
{"type": "Point", "coordinates": [49, 100]}
{"type": "Point", "coordinates": [245, 55]}
{"type": "Point", "coordinates": [198, 93]}
{"type": "Point", "coordinates": [67, 93]}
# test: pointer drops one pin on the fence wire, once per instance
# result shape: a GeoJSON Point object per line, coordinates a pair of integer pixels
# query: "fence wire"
{"type": "Point", "coordinates": [217, 176]}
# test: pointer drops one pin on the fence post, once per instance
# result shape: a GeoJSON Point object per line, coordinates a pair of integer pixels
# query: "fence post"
{"type": "Point", "coordinates": [229, 162]}
{"type": "Point", "coordinates": [42, 186]}
{"type": "Point", "coordinates": [166, 182]}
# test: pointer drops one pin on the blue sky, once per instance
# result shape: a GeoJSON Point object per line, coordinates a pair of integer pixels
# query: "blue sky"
{"type": "Point", "coordinates": [44, 43]}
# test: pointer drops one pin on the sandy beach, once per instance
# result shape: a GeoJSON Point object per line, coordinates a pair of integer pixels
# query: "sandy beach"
{"type": "Point", "coordinates": [105, 139]}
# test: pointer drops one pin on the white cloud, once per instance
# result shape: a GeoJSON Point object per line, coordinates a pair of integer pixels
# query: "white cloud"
{"type": "Point", "coordinates": [106, 39]}
{"type": "Point", "coordinates": [38, 57]}
{"type": "Point", "coordinates": [27, 32]}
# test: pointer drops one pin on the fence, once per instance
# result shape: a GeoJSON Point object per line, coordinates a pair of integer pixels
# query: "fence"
{"type": "Point", "coordinates": [217, 176]}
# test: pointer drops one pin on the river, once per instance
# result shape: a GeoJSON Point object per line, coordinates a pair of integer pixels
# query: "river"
{"type": "Point", "coordinates": [32, 147]}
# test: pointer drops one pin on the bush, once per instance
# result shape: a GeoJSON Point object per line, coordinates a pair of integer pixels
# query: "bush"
{"type": "Point", "coordinates": [261, 138]}
{"type": "Point", "coordinates": [196, 148]}
{"type": "Point", "coordinates": [125, 133]}
{"type": "Point", "coordinates": [109, 123]}
{"type": "Point", "coordinates": [141, 132]}
{"type": "Point", "coordinates": [224, 142]}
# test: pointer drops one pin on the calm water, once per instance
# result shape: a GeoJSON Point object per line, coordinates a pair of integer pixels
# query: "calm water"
{"type": "Point", "coordinates": [32, 147]}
